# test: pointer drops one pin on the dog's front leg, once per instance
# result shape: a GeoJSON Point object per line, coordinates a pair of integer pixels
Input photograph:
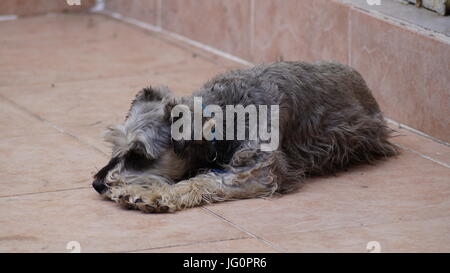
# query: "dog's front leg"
{"type": "Point", "coordinates": [239, 181]}
{"type": "Point", "coordinates": [162, 197]}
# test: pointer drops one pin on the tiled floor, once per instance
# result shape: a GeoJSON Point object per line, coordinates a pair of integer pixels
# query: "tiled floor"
{"type": "Point", "coordinates": [64, 78]}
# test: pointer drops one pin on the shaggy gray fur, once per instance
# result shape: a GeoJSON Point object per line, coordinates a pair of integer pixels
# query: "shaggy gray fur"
{"type": "Point", "coordinates": [329, 120]}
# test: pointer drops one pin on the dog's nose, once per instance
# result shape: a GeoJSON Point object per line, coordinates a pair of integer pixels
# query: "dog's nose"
{"type": "Point", "coordinates": [99, 186]}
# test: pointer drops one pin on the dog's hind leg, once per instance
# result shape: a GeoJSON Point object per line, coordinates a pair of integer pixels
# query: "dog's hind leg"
{"type": "Point", "coordinates": [238, 182]}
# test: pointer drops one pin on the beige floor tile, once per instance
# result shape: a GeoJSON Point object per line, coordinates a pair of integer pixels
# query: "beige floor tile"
{"type": "Point", "coordinates": [407, 188]}
{"type": "Point", "coordinates": [127, 51]}
{"type": "Point", "coordinates": [15, 122]}
{"type": "Point", "coordinates": [86, 108]}
{"type": "Point", "coordinates": [403, 236]}
{"type": "Point", "coordinates": [426, 147]}
{"type": "Point", "coordinates": [49, 28]}
{"type": "Point", "coordinates": [46, 222]}
{"type": "Point", "coordinates": [56, 98]}
{"type": "Point", "coordinates": [68, 94]}
{"type": "Point", "coordinates": [36, 157]}
{"type": "Point", "coordinates": [248, 245]}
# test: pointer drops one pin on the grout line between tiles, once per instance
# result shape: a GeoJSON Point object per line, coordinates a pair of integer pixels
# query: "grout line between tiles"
{"type": "Point", "coordinates": [251, 234]}
{"type": "Point", "coordinates": [50, 124]}
{"type": "Point", "coordinates": [35, 193]}
{"type": "Point", "coordinates": [349, 38]}
{"type": "Point", "coordinates": [8, 17]}
{"type": "Point", "coordinates": [176, 36]}
{"type": "Point", "coordinates": [93, 79]}
{"type": "Point", "coordinates": [155, 33]}
{"type": "Point", "coordinates": [417, 132]}
{"type": "Point", "coordinates": [186, 244]}
{"type": "Point", "coordinates": [364, 226]}
{"type": "Point", "coordinates": [252, 28]}
{"type": "Point", "coordinates": [422, 155]}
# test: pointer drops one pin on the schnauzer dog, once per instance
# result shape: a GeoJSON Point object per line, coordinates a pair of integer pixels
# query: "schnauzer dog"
{"type": "Point", "coordinates": [327, 121]}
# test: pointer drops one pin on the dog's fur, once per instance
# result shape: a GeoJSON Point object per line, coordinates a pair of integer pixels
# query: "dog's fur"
{"type": "Point", "coordinates": [328, 120]}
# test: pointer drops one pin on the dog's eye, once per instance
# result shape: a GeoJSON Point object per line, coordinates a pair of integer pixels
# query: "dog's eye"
{"type": "Point", "coordinates": [137, 161]}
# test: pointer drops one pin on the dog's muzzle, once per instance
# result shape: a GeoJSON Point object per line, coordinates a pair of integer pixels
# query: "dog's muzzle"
{"type": "Point", "coordinates": [99, 186]}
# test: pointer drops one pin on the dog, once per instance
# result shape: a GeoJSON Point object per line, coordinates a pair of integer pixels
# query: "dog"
{"type": "Point", "coordinates": [327, 121]}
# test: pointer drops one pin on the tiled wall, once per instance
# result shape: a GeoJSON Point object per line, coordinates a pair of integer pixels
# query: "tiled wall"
{"type": "Point", "coordinates": [144, 10]}
{"type": "Point", "coordinates": [33, 7]}
{"type": "Point", "coordinates": [300, 30]}
{"type": "Point", "coordinates": [221, 24]}
{"type": "Point", "coordinates": [255, 30]}
{"type": "Point", "coordinates": [408, 72]}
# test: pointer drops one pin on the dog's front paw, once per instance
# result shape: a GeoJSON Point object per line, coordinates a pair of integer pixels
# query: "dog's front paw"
{"type": "Point", "coordinates": [143, 199]}
{"type": "Point", "coordinates": [149, 203]}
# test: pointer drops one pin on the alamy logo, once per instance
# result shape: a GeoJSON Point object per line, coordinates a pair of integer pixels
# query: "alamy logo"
{"type": "Point", "coordinates": [252, 123]}
{"type": "Point", "coordinates": [373, 247]}
{"type": "Point", "coordinates": [373, 2]}
{"type": "Point", "coordinates": [74, 247]}
{"type": "Point", "coordinates": [73, 2]}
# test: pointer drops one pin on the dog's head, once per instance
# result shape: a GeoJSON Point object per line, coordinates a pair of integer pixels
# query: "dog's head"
{"type": "Point", "coordinates": [141, 146]}
{"type": "Point", "coordinates": [200, 146]}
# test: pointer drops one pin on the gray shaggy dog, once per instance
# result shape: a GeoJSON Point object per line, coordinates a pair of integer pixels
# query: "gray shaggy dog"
{"type": "Point", "coordinates": [328, 120]}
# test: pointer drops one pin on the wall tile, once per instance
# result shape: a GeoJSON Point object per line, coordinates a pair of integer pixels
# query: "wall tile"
{"type": "Point", "coordinates": [300, 30]}
{"type": "Point", "coordinates": [142, 10]}
{"type": "Point", "coordinates": [408, 73]}
{"type": "Point", "coordinates": [221, 24]}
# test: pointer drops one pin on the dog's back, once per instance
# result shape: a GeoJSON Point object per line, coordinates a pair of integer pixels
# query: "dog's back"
{"type": "Point", "coordinates": [328, 116]}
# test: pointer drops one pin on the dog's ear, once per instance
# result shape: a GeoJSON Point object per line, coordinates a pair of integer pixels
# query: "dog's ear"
{"type": "Point", "coordinates": [117, 136]}
{"type": "Point", "coordinates": [150, 94]}
{"type": "Point", "coordinates": [170, 103]}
